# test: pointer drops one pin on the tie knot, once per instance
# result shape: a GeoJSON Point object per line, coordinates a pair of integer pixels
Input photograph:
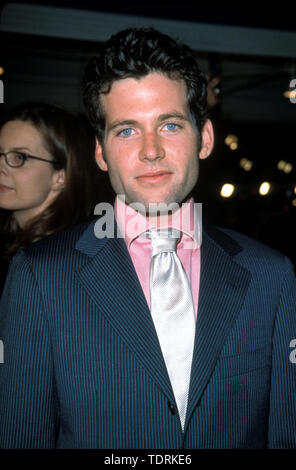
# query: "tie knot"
{"type": "Point", "coordinates": [163, 240]}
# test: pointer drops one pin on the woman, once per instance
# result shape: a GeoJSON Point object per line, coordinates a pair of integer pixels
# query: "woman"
{"type": "Point", "coordinates": [46, 175]}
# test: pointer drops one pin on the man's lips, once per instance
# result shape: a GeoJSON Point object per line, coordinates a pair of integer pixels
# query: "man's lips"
{"type": "Point", "coordinates": [154, 176]}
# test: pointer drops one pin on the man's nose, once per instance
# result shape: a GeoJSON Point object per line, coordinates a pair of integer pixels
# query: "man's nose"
{"type": "Point", "coordinates": [152, 148]}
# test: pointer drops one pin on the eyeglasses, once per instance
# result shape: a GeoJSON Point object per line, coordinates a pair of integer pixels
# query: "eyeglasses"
{"type": "Point", "coordinates": [17, 159]}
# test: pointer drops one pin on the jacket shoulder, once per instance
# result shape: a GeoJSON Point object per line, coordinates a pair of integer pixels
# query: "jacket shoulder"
{"type": "Point", "coordinates": [61, 242]}
{"type": "Point", "coordinates": [250, 252]}
{"type": "Point", "coordinates": [55, 252]}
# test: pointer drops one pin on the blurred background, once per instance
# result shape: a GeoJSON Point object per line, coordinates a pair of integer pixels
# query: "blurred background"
{"type": "Point", "coordinates": [249, 55]}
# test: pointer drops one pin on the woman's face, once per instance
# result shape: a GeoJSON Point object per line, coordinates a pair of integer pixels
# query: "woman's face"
{"type": "Point", "coordinates": [28, 190]}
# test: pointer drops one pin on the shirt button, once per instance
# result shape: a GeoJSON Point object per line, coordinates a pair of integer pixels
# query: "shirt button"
{"type": "Point", "coordinates": [171, 408]}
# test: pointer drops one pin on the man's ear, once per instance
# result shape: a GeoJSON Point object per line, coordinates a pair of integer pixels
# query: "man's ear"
{"type": "Point", "coordinates": [59, 180]}
{"type": "Point", "coordinates": [99, 157]}
{"type": "Point", "coordinates": [207, 140]}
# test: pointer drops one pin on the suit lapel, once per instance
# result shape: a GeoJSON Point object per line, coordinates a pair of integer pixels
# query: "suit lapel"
{"type": "Point", "coordinates": [112, 283]}
{"type": "Point", "coordinates": [223, 286]}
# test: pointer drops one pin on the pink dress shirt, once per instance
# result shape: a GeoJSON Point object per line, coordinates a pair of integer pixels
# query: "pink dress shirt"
{"type": "Point", "coordinates": [132, 225]}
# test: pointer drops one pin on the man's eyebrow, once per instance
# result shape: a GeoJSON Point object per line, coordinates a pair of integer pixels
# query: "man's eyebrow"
{"type": "Point", "coordinates": [127, 122]}
{"type": "Point", "coordinates": [173, 115]}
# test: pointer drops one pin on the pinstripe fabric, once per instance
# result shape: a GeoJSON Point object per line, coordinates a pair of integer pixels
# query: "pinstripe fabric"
{"type": "Point", "coordinates": [83, 366]}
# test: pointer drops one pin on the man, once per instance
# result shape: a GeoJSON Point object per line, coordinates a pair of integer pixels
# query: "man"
{"type": "Point", "coordinates": [98, 351]}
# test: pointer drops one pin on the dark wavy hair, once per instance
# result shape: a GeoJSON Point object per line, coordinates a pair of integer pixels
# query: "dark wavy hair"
{"type": "Point", "coordinates": [71, 142]}
{"type": "Point", "coordinates": [134, 53]}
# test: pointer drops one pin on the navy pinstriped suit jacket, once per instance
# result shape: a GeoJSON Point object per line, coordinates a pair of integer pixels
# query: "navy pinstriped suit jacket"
{"type": "Point", "coordinates": [83, 367]}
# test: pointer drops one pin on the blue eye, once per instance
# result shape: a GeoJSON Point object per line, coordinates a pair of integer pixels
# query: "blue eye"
{"type": "Point", "coordinates": [126, 132]}
{"type": "Point", "coordinates": [172, 126]}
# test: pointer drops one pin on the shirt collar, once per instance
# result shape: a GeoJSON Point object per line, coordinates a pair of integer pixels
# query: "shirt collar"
{"type": "Point", "coordinates": [132, 224]}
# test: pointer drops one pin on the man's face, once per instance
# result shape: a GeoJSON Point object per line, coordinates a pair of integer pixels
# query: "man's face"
{"type": "Point", "coordinates": [150, 147]}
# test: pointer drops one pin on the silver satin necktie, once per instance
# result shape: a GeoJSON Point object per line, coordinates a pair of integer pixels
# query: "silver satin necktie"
{"type": "Point", "coordinates": [172, 312]}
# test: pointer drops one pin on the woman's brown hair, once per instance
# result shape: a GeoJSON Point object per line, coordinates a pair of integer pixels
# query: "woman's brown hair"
{"type": "Point", "coordinates": [71, 142]}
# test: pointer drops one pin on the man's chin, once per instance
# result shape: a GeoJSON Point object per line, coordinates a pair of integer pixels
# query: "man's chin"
{"type": "Point", "coordinates": [155, 208]}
